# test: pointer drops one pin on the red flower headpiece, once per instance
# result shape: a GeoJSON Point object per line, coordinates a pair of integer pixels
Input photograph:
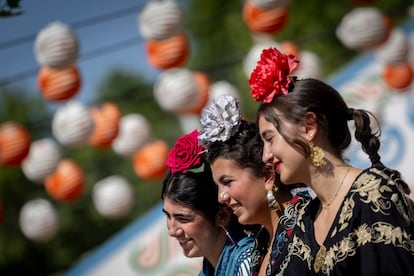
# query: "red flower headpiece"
{"type": "Point", "coordinates": [271, 75]}
{"type": "Point", "coordinates": [186, 154]}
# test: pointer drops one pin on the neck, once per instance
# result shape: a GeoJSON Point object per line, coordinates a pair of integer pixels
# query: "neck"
{"type": "Point", "coordinates": [215, 251]}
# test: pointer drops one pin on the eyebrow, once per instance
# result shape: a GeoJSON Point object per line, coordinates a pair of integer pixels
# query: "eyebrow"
{"type": "Point", "coordinates": [265, 132]}
{"type": "Point", "coordinates": [178, 214]}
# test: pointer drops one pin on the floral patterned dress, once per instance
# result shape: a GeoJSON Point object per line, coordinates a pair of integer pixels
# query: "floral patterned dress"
{"type": "Point", "coordinates": [372, 234]}
{"type": "Point", "coordinates": [282, 237]}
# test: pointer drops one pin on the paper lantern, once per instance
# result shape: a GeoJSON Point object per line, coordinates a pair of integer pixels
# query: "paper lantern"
{"type": "Point", "coordinates": [56, 46]}
{"type": "Point", "coordinates": [168, 53]}
{"type": "Point", "coordinates": [176, 90]}
{"type": "Point", "coordinates": [134, 131]}
{"type": "Point", "coordinates": [38, 220]}
{"type": "Point", "coordinates": [264, 20]}
{"type": "Point", "coordinates": [58, 84]}
{"type": "Point", "coordinates": [113, 196]}
{"type": "Point", "coordinates": [309, 66]}
{"type": "Point", "coordinates": [398, 76]}
{"type": "Point", "coordinates": [395, 50]}
{"type": "Point", "coordinates": [15, 141]}
{"type": "Point", "coordinates": [160, 19]}
{"type": "Point", "coordinates": [72, 124]}
{"type": "Point", "coordinates": [220, 88]}
{"type": "Point", "coordinates": [250, 60]}
{"type": "Point", "coordinates": [149, 161]}
{"type": "Point", "coordinates": [363, 28]}
{"type": "Point", "coordinates": [203, 85]}
{"type": "Point", "coordinates": [67, 182]}
{"type": "Point", "coordinates": [43, 157]}
{"type": "Point", "coordinates": [106, 124]}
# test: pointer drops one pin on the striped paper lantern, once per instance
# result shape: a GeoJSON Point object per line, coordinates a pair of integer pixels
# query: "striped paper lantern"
{"type": "Point", "coordinates": [113, 196]}
{"type": "Point", "coordinates": [43, 157]}
{"type": "Point", "coordinates": [38, 220]}
{"type": "Point", "coordinates": [134, 131]}
{"type": "Point", "coordinates": [72, 124]}
{"type": "Point", "coordinates": [56, 45]}
{"type": "Point", "coordinates": [59, 84]}
{"type": "Point", "coordinates": [149, 161]}
{"type": "Point", "coordinates": [67, 182]}
{"type": "Point", "coordinates": [106, 124]}
{"type": "Point", "coordinates": [15, 141]}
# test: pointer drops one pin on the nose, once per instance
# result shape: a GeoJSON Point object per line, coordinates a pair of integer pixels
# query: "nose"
{"type": "Point", "coordinates": [223, 196]}
{"type": "Point", "coordinates": [267, 156]}
{"type": "Point", "coordinates": [173, 228]}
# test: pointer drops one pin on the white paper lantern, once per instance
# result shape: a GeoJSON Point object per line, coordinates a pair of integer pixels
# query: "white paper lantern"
{"type": "Point", "coordinates": [134, 131]}
{"type": "Point", "coordinates": [56, 46]}
{"type": "Point", "coordinates": [160, 19]}
{"type": "Point", "coordinates": [42, 160]}
{"type": "Point", "coordinates": [220, 88]}
{"type": "Point", "coordinates": [309, 66]}
{"type": "Point", "coordinates": [176, 91]}
{"type": "Point", "coordinates": [395, 50]}
{"type": "Point", "coordinates": [253, 56]}
{"type": "Point", "coordinates": [113, 196]}
{"type": "Point", "coordinates": [38, 220]}
{"type": "Point", "coordinates": [362, 28]}
{"type": "Point", "coordinates": [72, 124]}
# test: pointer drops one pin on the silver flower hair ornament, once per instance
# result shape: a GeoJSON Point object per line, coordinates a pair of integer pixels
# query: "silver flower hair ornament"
{"type": "Point", "coordinates": [220, 121]}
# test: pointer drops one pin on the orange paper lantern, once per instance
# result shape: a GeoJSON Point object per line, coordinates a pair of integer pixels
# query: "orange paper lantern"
{"type": "Point", "coordinates": [106, 124]}
{"type": "Point", "coordinates": [268, 21]}
{"type": "Point", "coordinates": [59, 84]}
{"type": "Point", "coordinates": [398, 76]}
{"type": "Point", "coordinates": [67, 182]}
{"type": "Point", "coordinates": [203, 83]}
{"type": "Point", "coordinates": [15, 143]}
{"type": "Point", "coordinates": [149, 161]}
{"type": "Point", "coordinates": [168, 53]}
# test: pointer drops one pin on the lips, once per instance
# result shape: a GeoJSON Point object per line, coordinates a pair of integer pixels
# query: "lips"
{"type": "Point", "coordinates": [235, 208]}
{"type": "Point", "coordinates": [276, 166]}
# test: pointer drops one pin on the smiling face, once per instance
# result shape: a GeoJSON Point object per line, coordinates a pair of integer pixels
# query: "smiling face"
{"type": "Point", "coordinates": [285, 159]}
{"type": "Point", "coordinates": [245, 193]}
{"type": "Point", "coordinates": [196, 234]}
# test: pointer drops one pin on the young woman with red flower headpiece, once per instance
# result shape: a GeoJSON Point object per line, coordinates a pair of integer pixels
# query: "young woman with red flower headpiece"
{"type": "Point", "coordinates": [202, 226]}
{"type": "Point", "coordinates": [245, 183]}
{"type": "Point", "coordinates": [361, 222]}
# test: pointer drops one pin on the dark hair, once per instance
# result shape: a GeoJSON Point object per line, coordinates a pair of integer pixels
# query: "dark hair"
{"type": "Point", "coordinates": [244, 148]}
{"type": "Point", "coordinates": [311, 95]}
{"type": "Point", "coordinates": [194, 190]}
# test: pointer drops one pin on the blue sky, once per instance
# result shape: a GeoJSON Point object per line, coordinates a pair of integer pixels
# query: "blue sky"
{"type": "Point", "coordinates": [107, 32]}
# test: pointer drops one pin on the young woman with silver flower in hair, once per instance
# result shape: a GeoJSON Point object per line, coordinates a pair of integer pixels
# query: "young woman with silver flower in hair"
{"type": "Point", "coordinates": [202, 226]}
{"type": "Point", "coordinates": [245, 183]}
{"type": "Point", "coordinates": [361, 222]}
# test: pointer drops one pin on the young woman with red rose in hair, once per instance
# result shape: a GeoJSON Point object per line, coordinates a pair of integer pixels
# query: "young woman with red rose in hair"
{"type": "Point", "coordinates": [202, 226]}
{"type": "Point", "coordinates": [245, 183]}
{"type": "Point", "coordinates": [361, 222]}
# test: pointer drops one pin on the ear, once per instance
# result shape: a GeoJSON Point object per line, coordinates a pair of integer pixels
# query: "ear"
{"type": "Point", "coordinates": [223, 216]}
{"type": "Point", "coordinates": [310, 126]}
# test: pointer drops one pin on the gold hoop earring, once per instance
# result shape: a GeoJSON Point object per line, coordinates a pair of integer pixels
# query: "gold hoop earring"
{"type": "Point", "coordinates": [317, 156]}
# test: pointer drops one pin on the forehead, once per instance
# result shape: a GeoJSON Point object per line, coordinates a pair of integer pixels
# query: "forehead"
{"type": "Point", "coordinates": [173, 207]}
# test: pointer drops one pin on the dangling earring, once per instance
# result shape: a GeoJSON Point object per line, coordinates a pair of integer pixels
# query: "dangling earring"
{"type": "Point", "coordinates": [317, 155]}
{"type": "Point", "coordinates": [271, 200]}
{"type": "Point", "coordinates": [228, 235]}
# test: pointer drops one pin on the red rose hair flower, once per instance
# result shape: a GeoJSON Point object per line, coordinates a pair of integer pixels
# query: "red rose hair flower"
{"type": "Point", "coordinates": [185, 154]}
{"type": "Point", "coordinates": [271, 75]}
